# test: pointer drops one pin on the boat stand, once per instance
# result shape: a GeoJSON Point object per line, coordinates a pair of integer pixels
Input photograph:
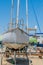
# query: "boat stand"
{"type": "Point", "coordinates": [15, 57]}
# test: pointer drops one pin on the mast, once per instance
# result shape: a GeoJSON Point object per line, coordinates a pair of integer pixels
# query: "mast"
{"type": "Point", "coordinates": [11, 20]}
{"type": "Point", "coordinates": [18, 4]}
{"type": "Point", "coordinates": [12, 10]}
{"type": "Point", "coordinates": [27, 14]}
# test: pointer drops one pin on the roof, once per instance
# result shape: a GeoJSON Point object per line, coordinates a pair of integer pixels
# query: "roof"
{"type": "Point", "coordinates": [39, 33]}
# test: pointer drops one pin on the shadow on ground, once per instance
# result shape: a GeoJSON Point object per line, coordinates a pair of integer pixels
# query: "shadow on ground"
{"type": "Point", "coordinates": [19, 61]}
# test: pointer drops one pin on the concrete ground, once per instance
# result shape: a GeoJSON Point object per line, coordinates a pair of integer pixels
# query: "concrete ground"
{"type": "Point", "coordinates": [36, 60]}
{"type": "Point", "coordinates": [23, 61]}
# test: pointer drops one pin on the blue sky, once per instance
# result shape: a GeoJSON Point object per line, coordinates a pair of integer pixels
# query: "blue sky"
{"type": "Point", "coordinates": [5, 7]}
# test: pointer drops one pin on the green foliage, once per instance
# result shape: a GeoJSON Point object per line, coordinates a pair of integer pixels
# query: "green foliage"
{"type": "Point", "coordinates": [31, 40]}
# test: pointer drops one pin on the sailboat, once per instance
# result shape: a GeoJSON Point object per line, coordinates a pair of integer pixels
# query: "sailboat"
{"type": "Point", "coordinates": [15, 38]}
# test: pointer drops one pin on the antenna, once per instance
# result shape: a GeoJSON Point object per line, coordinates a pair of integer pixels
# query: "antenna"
{"type": "Point", "coordinates": [18, 4]}
{"type": "Point", "coordinates": [27, 14]}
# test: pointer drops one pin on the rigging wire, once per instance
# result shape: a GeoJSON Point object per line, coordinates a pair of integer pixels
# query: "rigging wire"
{"type": "Point", "coordinates": [36, 17]}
